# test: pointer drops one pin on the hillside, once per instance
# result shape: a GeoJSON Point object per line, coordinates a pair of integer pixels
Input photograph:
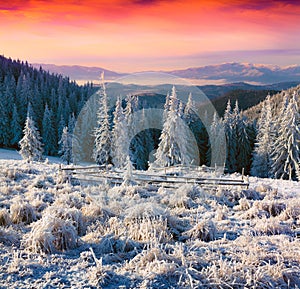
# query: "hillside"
{"type": "Point", "coordinates": [58, 234]}
{"type": "Point", "coordinates": [253, 112]}
{"type": "Point", "coordinates": [245, 98]}
{"type": "Point", "coordinates": [77, 72]}
{"type": "Point", "coordinates": [50, 98]}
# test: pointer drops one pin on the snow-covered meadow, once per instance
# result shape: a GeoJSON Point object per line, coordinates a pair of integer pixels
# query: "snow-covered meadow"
{"type": "Point", "coordinates": [56, 234]}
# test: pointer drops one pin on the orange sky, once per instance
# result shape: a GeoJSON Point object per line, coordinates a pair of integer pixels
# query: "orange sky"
{"type": "Point", "coordinates": [126, 35]}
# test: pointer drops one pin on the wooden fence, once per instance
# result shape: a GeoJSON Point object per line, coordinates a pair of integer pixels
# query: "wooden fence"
{"type": "Point", "coordinates": [165, 178]}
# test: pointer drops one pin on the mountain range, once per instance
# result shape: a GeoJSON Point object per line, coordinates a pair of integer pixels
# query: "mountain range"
{"type": "Point", "coordinates": [226, 72]}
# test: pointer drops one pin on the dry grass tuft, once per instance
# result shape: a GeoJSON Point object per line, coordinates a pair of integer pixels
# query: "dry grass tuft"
{"type": "Point", "coordinates": [204, 230]}
{"type": "Point", "coordinates": [51, 234]}
{"type": "Point", "coordinates": [4, 218]}
{"type": "Point", "coordinates": [72, 215]}
{"type": "Point", "coordinates": [22, 212]}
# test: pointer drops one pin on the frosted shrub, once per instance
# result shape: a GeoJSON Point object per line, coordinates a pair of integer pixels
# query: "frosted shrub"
{"type": "Point", "coordinates": [180, 198]}
{"type": "Point", "coordinates": [292, 211]}
{"type": "Point", "coordinates": [4, 218]}
{"type": "Point", "coordinates": [204, 230]}
{"type": "Point", "coordinates": [244, 205]}
{"type": "Point", "coordinates": [148, 229]}
{"type": "Point", "coordinates": [251, 195]}
{"type": "Point", "coordinates": [271, 226]}
{"type": "Point", "coordinates": [191, 191]}
{"type": "Point", "coordinates": [11, 174]}
{"type": "Point", "coordinates": [94, 212]}
{"type": "Point", "coordinates": [262, 188]}
{"type": "Point", "coordinates": [22, 212]}
{"type": "Point", "coordinates": [51, 234]}
{"type": "Point", "coordinates": [274, 208]}
{"type": "Point", "coordinates": [69, 214]}
{"type": "Point", "coordinates": [69, 199]}
{"type": "Point", "coordinates": [221, 213]}
{"type": "Point", "coordinates": [145, 210]}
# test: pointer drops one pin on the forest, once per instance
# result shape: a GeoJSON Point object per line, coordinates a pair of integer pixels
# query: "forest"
{"type": "Point", "coordinates": [262, 141]}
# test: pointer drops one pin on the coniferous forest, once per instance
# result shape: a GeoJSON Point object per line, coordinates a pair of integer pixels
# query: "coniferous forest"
{"type": "Point", "coordinates": [52, 100]}
{"type": "Point", "coordinates": [264, 140]}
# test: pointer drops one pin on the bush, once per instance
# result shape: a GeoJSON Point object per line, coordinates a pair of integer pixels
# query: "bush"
{"type": "Point", "coordinates": [22, 213]}
{"type": "Point", "coordinates": [204, 230]}
{"type": "Point", "coordinates": [51, 234]}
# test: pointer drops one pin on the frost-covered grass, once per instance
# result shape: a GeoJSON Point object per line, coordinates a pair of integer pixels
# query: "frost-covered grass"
{"type": "Point", "coordinates": [54, 234]}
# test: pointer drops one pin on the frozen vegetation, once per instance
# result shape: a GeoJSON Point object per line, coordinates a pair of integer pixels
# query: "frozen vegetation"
{"type": "Point", "coordinates": [57, 234]}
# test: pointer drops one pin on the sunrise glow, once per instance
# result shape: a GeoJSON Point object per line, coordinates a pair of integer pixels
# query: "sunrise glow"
{"type": "Point", "coordinates": [126, 35]}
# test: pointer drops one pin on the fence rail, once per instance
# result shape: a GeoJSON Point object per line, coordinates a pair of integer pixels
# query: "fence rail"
{"type": "Point", "coordinates": [100, 174]}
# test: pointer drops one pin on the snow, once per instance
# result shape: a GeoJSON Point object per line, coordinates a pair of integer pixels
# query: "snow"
{"type": "Point", "coordinates": [56, 234]}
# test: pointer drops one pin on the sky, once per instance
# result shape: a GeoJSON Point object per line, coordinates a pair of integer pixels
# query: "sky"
{"type": "Point", "coordinates": [135, 35]}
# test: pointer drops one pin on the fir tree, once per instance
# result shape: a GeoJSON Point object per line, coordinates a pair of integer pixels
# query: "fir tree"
{"type": "Point", "coordinates": [102, 147]}
{"type": "Point", "coordinates": [217, 141]}
{"type": "Point", "coordinates": [286, 156]}
{"type": "Point", "coordinates": [242, 145]}
{"type": "Point", "coordinates": [173, 146]}
{"type": "Point", "coordinates": [48, 133]}
{"type": "Point", "coordinates": [120, 149]}
{"type": "Point", "coordinates": [65, 145]}
{"type": "Point", "coordinates": [189, 110]}
{"type": "Point", "coordinates": [30, 144]}
{"type": "Point", "coordinates": [230, 133]}
{"type": "Point", "coordinates": [262, 161]}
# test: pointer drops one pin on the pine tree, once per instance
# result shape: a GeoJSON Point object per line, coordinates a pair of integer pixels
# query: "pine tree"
{"type": "Point", "coordinates": [102, 147]}
{"type": "Point", "coordinates": [166, 107]}
{"type": "Point", "coordinates": [173, 146]}
{"type": "Point", "coordinates": [262, 161]}
{"type": "Point", "coordinates": [242, 145]}
{"type": "Point", "coordinates": [217, 141]}
{"type": "Point", "coordinates": [120, 149]}
{"type": "Point", "coordinates": [48, 133]}
{"type": "Point", "coordinates": [30, 144]}
{"type": "Point", "coordinates": [189, 110]}
{"type": "Point", "coordinates": [65, 145]}
{"type": "Point", "coordinates": [286, 156]}
{"type": "Point", "coordinates": [230, 133]}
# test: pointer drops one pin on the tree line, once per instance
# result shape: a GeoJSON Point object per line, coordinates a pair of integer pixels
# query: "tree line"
{"type": "Point", "coordinates": [53, 102]}
{"type": "Point", "coordinates": [39, 111]}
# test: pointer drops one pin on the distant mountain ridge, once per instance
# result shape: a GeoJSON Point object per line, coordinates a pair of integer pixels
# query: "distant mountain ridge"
{"type": "Point", "coordinates": [77, 72]}
{"type": "Point", "coordinates": [228, 72]}
{"type": "Point", "coordinates": [242, 72]}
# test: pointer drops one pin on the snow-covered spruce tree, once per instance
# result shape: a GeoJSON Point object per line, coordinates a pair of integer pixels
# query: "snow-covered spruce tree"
{"type": "Point", "coordinates": [166, 107]}
{"type": "Point", "coordinates": [262, 161]}
{"type": "Point", "coordinates": [48, 133]}
{"type": "Point", "coordinates": [189, 110]}
{"type": "Point", "coordinates": [30, 144]}
{"type": "Point", "coordinates": [102, 145]}
{"type": "Point", "coordinates": [217, 140]}
{"type": "Point", "coordinates": [65, 146]}
{"type": "Point", "coordinates": [128, 175]}
{"type": "Point", "coordinates": [131, 106]}
{"type": "Point", "coordinates": [286, 155]}
{"type": "Point", "coordinates": [173, 146]}
{"type": "Point", "coordinates": [243, 147]}
{"type": "Point", "coordinates": [230, 133]}
{"type": "Point", "coordinates": [120, 143]}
